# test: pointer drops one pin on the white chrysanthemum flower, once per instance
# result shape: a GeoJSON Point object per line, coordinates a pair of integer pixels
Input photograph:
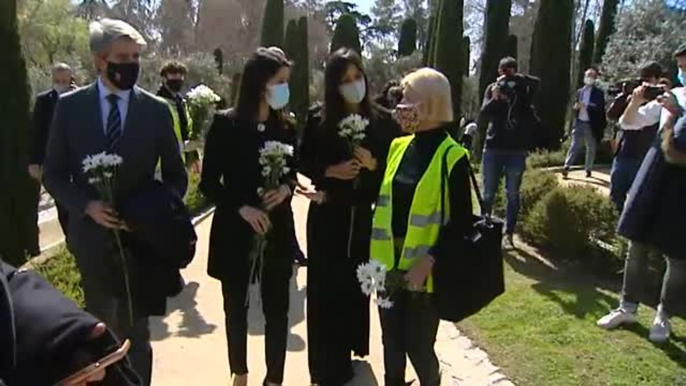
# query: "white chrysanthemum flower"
{"type": "Point", "coordinates": [94, 180]}
{"type": "Point", "coordinates": [203, 95]}
{"type": "Point", "coordinates": [367, 288]}
{"type": "Point", "coordinates": [384, 303]}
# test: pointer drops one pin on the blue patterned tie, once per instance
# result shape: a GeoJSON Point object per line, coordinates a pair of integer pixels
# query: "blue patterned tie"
{"type": "Point", "coordinates": [113, 131]}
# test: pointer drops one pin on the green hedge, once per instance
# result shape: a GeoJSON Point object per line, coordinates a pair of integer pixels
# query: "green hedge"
{"type": "Point", "coordinates": [575, 223]}
{"type": "Point", "coordinates": [195, 200]}
{"type": "Point", "coordinates": [546, 159]}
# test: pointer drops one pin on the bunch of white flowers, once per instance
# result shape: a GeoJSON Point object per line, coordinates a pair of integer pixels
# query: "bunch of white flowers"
{"type": "Point", "coordinates": [101, 170]}
{"type": "Point", "coordinates": [203, 95]}
{"type": "Point", "coordinates": [274, 160]}
{"type": "Point", "coordinates": [354, 129]}
{"type": "Point", "coordinates": [372, 278]}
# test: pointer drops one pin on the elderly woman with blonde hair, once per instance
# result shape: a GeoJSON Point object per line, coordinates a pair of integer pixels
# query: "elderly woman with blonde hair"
{"type": "Point", "coordinates": [415, 225]}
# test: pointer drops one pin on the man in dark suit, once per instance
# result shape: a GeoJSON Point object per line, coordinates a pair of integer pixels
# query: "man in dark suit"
{"type": "Point", "coordinates": [115, 116]}
{"type": "Point", "coordinates": [590, 122]}
{"type": "Point", "coordinates": [42, 117]}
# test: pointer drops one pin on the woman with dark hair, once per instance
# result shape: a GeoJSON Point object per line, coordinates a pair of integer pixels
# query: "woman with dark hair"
{"type": "Point", "coordinates": [340, 217]}
{"type": "Point", "coordinates": [232, 178]}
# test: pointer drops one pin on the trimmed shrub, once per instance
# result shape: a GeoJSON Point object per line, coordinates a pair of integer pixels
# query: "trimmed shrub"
{"type": "Point", "coordinates": [195, 200]}
{"type": "Point", "coordinates": [536, 185]}
{"type": "Point", "coordinates": [572, 223]}
{"type": "Point", "coordinates": [543, 158]}
{"type": "Point", "coordinates": [61, 271]}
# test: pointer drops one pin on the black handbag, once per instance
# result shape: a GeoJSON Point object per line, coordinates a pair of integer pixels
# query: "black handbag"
{"type": "Point", "coordinates": [472, 276]}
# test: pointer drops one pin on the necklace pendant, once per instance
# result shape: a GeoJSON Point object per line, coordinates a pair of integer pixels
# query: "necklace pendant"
{"type": "Point", "coordinates": [261, 127]}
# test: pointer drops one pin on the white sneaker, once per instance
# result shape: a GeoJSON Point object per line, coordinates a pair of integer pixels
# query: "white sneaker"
{"type": "Point", "coordinates": [616, 318]}
{"type": "Point", "coordinates": [661, 329]}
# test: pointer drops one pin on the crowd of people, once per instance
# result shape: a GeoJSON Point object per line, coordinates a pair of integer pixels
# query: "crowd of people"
{"type": "Point", "coordinates": [400, 197]}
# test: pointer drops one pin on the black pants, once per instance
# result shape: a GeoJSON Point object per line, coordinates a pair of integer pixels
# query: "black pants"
{"type": "Point", "coordinates": [275, 302]}
{"type": "Point", "coordinates": [409, 329]}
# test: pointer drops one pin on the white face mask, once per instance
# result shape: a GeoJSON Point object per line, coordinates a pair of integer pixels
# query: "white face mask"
{"type": "Point", "coordinates": [353, 92]}
{"type": "Point", "coordinates": [682, 77]}
{"type": "Point", "coordinates": [61, 89]}
{"type": "Point", "coordinates": [278, 96]}
{"type": "Point", "coordinates": [588, 81]}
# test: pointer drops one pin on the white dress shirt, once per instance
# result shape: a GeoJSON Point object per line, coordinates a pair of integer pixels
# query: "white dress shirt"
{"type": "Point", "coordinates": [123, 104]}
{"type": "Point", "coordinates": [652, 112]}
{"type": "Point", "coordinates": [586, 100]}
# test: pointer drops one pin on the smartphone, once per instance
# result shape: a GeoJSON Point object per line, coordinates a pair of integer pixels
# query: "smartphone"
{"type": "Point", "coordinates": [99, 365]}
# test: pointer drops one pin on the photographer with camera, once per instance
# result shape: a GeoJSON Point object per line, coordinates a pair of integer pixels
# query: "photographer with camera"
{"type": "Point", "coordinates": [590, 122]}
{"type": "Point", "coordinates": [633, 139]}
{"type": "Point", "coordinates": [653, 217]}
{"type": "Point", "coordinates": [507, 108]}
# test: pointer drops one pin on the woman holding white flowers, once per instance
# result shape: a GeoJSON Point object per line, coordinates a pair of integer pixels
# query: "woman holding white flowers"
{"type": "Point", "coordinates": [253, 204]}
{"type": "Point", "coordinates": [343, 153]}
{"type": "Point", "coordinates": [414, 226]}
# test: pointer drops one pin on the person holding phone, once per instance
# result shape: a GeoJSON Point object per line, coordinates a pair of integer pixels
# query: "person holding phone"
{"type": "Point", "coordinates": [38, 324]}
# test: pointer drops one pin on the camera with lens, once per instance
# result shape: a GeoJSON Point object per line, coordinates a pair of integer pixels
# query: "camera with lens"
{"type": "Point", "coordinates": [627, 86]}
{"type": "Point", "coordinates": [517, 88]}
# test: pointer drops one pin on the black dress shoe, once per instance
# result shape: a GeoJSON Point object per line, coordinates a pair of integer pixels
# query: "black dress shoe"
{"type": "Point", "coordinates": [300, 258]}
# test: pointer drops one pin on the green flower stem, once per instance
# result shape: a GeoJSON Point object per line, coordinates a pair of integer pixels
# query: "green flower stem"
{"type": "Point", "coordinates": [126, 274]}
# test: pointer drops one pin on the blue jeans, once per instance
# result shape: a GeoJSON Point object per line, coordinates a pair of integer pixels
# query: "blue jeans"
{"type": "Point", "coordinates": [512, 165]}
{"type": "Point", "coordinates": [624, 170]}
{"type": "Point", "coordinates": [582, 133]}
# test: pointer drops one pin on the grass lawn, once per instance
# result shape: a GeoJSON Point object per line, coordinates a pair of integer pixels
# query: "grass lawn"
{"type": "Point", "coordinates": [61, 271]}
{"type": "Point", "coordinates": [542, 332]}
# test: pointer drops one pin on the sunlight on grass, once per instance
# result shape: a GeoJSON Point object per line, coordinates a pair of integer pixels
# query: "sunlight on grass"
{"type": "Point", "coordinates": [542, 332]}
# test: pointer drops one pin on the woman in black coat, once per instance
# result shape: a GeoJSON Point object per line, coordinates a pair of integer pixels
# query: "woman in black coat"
{"type": "Point", "coordinates": [232, 178]}
{"type": "Point", "coordinates": [340, 218]}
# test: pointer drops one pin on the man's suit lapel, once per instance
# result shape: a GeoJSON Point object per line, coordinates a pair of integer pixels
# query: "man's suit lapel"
{"type": "Point", "coordinates": [96, 131]}
{"type": "Point", "coordinates": [130, 125]}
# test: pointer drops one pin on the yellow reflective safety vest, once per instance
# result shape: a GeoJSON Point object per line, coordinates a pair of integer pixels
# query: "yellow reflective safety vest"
{"type": "Point", "coordinates": [177, 126]}
{"type": "Point", "coordinates": [425, 214]}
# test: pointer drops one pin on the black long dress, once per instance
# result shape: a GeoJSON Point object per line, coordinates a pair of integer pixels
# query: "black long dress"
{"type": "Point", "coordinates": [231, 178]}
{"type": "Point", "coordinates": [337, 310]}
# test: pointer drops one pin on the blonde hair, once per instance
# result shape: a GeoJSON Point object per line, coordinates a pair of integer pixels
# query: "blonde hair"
{"type": "Point", "coordinates": [432, 90]}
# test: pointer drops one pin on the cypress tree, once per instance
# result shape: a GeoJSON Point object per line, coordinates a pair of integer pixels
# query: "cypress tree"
{"type": "Point", "coordinates": [466, 54]}
{"type": "Point", "coordinates": [300, 77]}
{"type": "Point", "coordinates": [235, 88]}
{"type": "Point", "coordinates": [346, 34]}
{"type": "Point", "coordinates": [219, 60]}
{"type": "Point", "coordinates": [291, 41]}
{"type": "Point", "coordinates": [429, 41]}
{"type": "Point", "coordinates": [16, 201]}
{"type": "Point", "coordinates": [585, 51]}
{"type": "Point", "coordinates": [512, 46]}
{"type": "Point", "coordinates": [496, 32]}
{"type": "Point", "coordinates": [272, 24]}
{"type": "Point", "coordinates": [606, 28]}
{"type": "Point", "coordinates": [407, 43]}
{"type": "Point", "coordinates": [551, 61]}
{"type": "Point", "coordinates": [448, 56]}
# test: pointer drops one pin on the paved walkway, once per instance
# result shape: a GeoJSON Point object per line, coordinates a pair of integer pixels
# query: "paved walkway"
{"type": "Point", "coordinates": [600, 179]}
{"type": "Point", "coordinates": [190, 346]}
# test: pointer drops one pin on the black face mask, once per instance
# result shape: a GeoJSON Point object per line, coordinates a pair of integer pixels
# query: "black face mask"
{"type": "Point", "coordinates": [123, 75]}
{"type": "Point", "coordinates": [175, 85]}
